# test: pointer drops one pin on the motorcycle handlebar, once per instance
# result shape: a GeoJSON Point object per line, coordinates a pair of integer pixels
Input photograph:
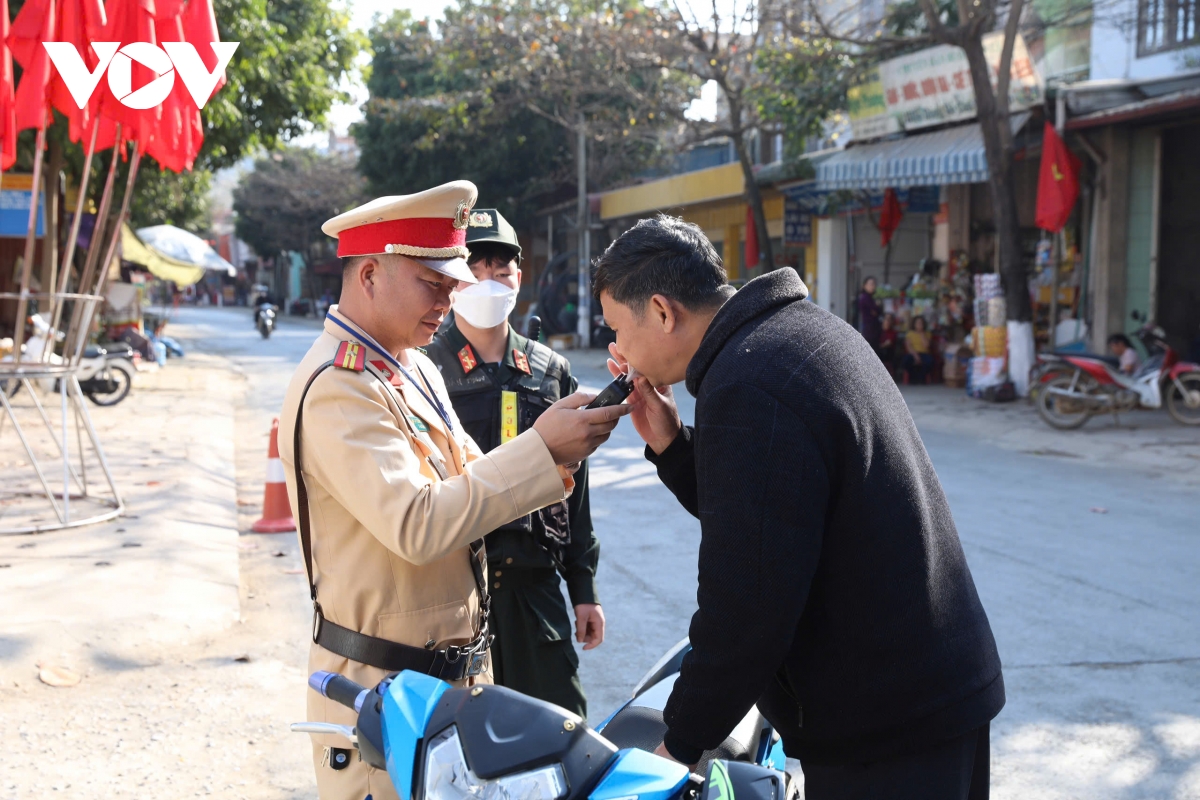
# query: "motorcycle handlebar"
{"type": "Point", "coordinates": [338, 689]}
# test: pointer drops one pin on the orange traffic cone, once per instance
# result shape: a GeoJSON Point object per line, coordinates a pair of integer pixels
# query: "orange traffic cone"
{"type": "Point", "coordinates": [277, 513]}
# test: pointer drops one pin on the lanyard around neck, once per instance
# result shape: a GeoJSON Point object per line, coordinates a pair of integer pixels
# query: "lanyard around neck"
{"type": "Point", "coordinates": [431, 397]}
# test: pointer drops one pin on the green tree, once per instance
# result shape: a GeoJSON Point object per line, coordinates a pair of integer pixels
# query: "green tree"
{"type": "Point", "coordinates": [281, 204]}
{"type": "Point", "coordinates": [807, 81]}
{"type": "Point", "coordinates": [498, 94]}
{"type": "Point", "coordinates": [416, 133]}
{"type": "Point", "coordinates": [283, 79]}
{"type": "Point", "coordinates": [164, 198]}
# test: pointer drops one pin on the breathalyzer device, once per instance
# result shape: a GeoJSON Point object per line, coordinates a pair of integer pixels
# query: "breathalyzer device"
{"type": "Point", "coordinates": [614, 394]}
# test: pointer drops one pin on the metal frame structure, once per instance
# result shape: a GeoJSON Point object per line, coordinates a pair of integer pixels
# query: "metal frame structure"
{"type": "Point", "coordinates": [62, 370]}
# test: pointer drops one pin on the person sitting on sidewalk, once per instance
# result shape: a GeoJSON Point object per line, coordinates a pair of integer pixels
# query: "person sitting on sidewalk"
{"type": "Point", "coordinates": [918, 360]}
{"type": "Point", "coordinates": [1120, 346]}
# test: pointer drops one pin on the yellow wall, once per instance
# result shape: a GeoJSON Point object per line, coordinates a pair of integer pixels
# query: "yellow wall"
{"type": "Point", "coordinates": [712, 199]}
{"type": "Point", "coordinates": [674, 192]}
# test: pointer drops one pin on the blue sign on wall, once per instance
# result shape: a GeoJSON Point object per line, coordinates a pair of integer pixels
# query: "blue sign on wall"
{"type": "Point", "coordinates": [797, 225]}
{"type": "Point", "coordinates": [14, 212]}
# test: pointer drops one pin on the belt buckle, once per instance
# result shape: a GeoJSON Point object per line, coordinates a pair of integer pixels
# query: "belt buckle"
{"type": "Point", "coordinates": [476, 665]}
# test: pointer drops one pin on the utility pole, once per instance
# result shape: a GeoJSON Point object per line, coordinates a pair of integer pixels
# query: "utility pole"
{"type": "Point", "coordinates": [584, 326]}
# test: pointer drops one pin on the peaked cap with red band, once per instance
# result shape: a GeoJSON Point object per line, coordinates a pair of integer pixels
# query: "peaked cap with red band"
{"type": "Point", "coordinates": [429, 226]}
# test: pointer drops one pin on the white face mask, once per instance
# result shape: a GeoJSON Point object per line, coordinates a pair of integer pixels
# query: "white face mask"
{"type": "Point", "coordinates": [485, 304]}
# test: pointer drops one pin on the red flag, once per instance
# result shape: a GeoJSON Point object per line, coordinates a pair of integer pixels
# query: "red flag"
{"type": "Point", "coordinates": [889, 218]}
{"type": "Point", "coordinates": [1058, 182]}
{"type": "Point", "coordinates": [80, 22]}
{"type": "Point", "coordinates": [172, 137]}
{"type": "Point", "coordinates": [751, 239]}
{"type": "Point", "coordinates": [131, 21]}
{"type": "Point", "coordinates": [8, 107]}
{"type": "Point", "coordinates": [35, 23]}
{"type": "Point", "coordinates": [200, 29]}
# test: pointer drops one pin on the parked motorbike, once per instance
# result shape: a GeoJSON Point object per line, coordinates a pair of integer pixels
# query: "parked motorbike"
{"type": "Point", "coordinates": [264, 319]}
{"type": "Point", "coordinates": [492, 743]}
{"type": "Point", "coordinates": [105, 371]}
{"type": "Point", "coordinates": [1075, 386]}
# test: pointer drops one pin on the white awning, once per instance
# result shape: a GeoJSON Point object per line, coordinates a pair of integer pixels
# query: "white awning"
{"type": "Point", "coordinates": [949, 156]}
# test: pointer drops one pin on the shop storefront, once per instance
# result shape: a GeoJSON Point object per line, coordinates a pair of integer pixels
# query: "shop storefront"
{"type": "Point", "coordinates": [908, 205]}
{"type": "Point", "coordinates": [1138, 140]}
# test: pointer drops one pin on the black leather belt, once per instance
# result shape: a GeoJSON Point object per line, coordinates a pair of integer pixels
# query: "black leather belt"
{"type": "Point", "coordinates": [453, 663]}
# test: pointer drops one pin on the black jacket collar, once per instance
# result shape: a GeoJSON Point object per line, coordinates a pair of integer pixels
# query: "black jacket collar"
{"type": "Point", "coordinates": [760, 296]}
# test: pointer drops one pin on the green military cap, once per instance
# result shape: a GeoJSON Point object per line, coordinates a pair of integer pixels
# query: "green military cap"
{"type": "Point", "coordinates": [486, 225]}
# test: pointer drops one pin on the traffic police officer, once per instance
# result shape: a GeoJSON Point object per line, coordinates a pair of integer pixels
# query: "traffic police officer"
{"type": "Point", "coordinates": [500, 382]}
{"type": "Point", "coordinates": [391, 496]}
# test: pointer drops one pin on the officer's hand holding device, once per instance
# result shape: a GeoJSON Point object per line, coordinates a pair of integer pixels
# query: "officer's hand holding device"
{"type": "Point", "coordinates": [571, 432]}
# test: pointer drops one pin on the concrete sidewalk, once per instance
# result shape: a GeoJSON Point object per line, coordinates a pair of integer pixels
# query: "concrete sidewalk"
{"type": "Point", "coordinates": [168, 569]}
{"type": "Point", "coordinates": [1146, 442]}
{"type": "Point", "coordinates": [181, 672]}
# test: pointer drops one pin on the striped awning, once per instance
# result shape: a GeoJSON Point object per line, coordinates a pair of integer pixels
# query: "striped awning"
{"type": "Point", "coordinates": [945, 157]}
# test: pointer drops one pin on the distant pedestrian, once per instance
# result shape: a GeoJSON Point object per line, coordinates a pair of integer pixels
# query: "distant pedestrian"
{"type": "Point", "coordinates": [869, 312]}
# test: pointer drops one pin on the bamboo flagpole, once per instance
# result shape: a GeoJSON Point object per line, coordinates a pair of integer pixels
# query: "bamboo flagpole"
{"type": "Point", "coordinates": [30, 235]}
{"type": "Point", "coordinates": [73, 237]}
{"type": "Point", "coordinates": [114, 240]}
{"type": "Point", "coordinates": [85, 278]}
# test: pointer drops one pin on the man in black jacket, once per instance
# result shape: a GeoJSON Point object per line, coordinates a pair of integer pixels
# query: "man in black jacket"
{"type": "Point", "coordinates": [833, 590]}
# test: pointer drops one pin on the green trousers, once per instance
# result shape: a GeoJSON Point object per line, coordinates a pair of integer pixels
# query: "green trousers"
{"type": "Point", "coordinates": [532, 652]}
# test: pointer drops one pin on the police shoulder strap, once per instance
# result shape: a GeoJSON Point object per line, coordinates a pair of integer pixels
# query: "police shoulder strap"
{"type": "Point", "coordinates": [451, 663]}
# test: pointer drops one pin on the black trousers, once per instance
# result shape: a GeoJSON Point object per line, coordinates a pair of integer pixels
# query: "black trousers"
{"type": "Point", "coordinates": [956, 770]}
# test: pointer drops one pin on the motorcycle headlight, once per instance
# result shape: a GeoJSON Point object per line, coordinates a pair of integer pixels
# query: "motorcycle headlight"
{"type": "Point", "coordinates": [447, 776]}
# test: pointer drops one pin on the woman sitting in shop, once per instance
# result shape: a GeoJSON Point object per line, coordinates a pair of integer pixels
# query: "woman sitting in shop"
{"type": "Point", "coordinates": [918, 359]}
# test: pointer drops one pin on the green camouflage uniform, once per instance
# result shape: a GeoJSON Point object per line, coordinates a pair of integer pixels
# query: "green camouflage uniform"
{"type": "Point", "coordinates": [532, 652]}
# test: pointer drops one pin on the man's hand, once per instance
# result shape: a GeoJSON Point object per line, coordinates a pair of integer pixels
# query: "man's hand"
{"type": "Point", "coordinates": [589, 625]}
{"type": "Point", "coordinates": [661, 750]}
{"type": "Point", "coordinates": [572, 432]}
{"type": "Point", "coordinates": [655, 416]}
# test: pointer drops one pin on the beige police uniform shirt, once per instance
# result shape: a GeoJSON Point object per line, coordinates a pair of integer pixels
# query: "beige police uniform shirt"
{"type": "Point", "coordinates": [389, 536]}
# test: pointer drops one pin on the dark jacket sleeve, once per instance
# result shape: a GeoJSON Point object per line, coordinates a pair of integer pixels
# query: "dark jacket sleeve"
{"type": "Point", "coordinates": [581, 557]}
{"type": "Point", "coordinates": [677, 468]}
{"type": "Point", "coordinates": [763, 490]}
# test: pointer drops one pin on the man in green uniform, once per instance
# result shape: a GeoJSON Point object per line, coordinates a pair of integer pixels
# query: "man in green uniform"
{"type": "Point", "coordinates": [499, 383]}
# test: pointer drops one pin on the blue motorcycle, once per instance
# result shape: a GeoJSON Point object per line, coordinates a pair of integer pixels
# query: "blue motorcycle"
{"type": "Point", "coordinates": [491, 743]}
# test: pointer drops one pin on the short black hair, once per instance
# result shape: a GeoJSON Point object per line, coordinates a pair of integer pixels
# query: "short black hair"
{"type": "Point", "coordinates": [1120, 337]}
{"type": "Point", "coordinates": [491, 253]}
{"type": "Point", "coordinates": [663, 255]}
{"type": "Point", "coordinates": [349, 263]}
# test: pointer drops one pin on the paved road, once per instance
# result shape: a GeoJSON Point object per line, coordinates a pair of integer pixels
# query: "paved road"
{"type": "Point", "coordinates": [1089, 571]}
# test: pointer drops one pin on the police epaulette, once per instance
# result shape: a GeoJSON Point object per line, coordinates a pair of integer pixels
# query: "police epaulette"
{"type": "Point", "coordinates": [350, 355]}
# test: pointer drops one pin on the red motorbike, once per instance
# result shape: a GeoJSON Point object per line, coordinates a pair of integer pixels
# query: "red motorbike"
{"type": "Point", "coordinates": [1074, 386]}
